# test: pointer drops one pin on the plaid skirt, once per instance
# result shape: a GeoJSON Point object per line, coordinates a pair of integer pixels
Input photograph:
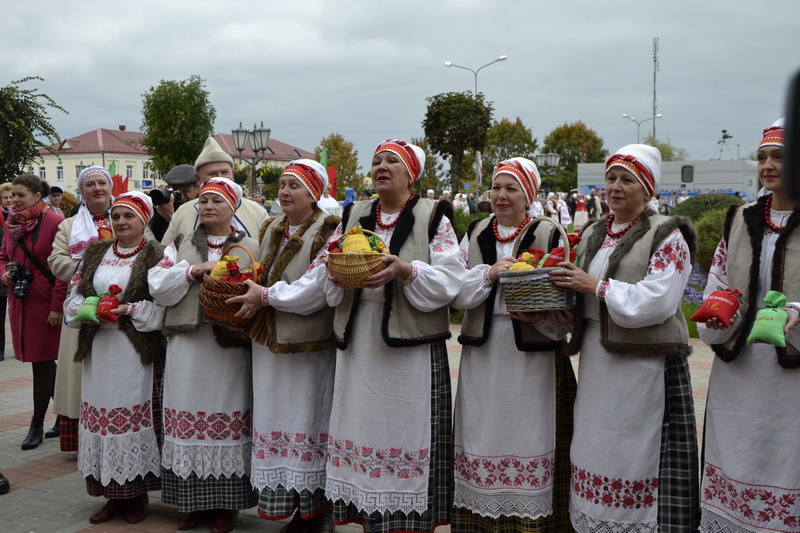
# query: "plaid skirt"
{"type": "Point", "coordinates": [441, 481]}
{"type": "Point", "coordinates": [140, 485]}
{"type": "Point", "coordinates": [195, 494]}
{"type": "Point", "coordinates": [559, 522]}
{"type": "Point", "coordinates": [68, 434]}
{"type": "Point", "coordinates": [281, 503]}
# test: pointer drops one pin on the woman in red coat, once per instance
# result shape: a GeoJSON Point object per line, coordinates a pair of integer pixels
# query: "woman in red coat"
{"type": "Point", "coordinates": [35, 306]}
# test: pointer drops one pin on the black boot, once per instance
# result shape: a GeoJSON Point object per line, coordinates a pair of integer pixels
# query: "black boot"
{"type": "Point", "coordinates": [5, 486]}
{"type": "Point", "coordinates": [35, 433]}
{"type": "Point", "coordinates": [55, 431]}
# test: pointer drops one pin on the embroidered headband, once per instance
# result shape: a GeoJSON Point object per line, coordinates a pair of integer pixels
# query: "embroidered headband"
{"type": "Point", "coordinates": [230, 191]}
{"type": "Point", "coordinates": [92, 171]}
{"type": "Point", "coordinates": [311, 174]}
{"type": "Point", "coordinates": [137, 202]}
{"type": "Point", "coordinates": [413, 157]}
{"type": "Point", "coordinates": [525, 172]}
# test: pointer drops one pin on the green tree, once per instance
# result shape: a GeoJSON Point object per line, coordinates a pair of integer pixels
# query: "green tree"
{"type": "Point", "coordinates": [177, 119]}
{"type": "Point", "coordinates": [668, 151]}
{"type": "Point", "coordinates": [507, 139]}
{"type": "Point", "coordinates": [575, 143]}
{"type": "Point", "coordinates": [270, 177]}
{"type": "Point", "coordinates": [454, 124]}
{"type": "Point", "coordinates": [23, 118]}
{"type": "Point", "coordinates": [343, 154]}
{"type": "Point", "coordinates": [434, 169]}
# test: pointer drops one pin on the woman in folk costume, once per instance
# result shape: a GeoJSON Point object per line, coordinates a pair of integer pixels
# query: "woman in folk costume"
{"type": "Point", "coordinates": [751, 471]}
{"type": "Point", "coordinates": [551, 207]}
{"type": "Point", "coordinates": [514, 386]}
{"type": "Point", "coordinates": [293, 356]}
{"type": "Point", "coordinates": [563, 210]}
{"type": "Point", "coordinates": [92, 222]}
{"type": "Point", "coordinates": [207, 380]}
{"type": "Point", "coordinates": [35, 313]}
{"type": "Point", "coordinates": [120, 424]}
{"type": "Point", "coordinates": [581, 215]}
{"type": "Point", "coordinates": [634, 447]}
{"type": "Point", "coordinates": [390, 448]}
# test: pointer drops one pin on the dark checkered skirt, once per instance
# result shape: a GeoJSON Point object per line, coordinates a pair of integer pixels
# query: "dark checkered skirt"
{"type": "Point", "coordinates": [68, 433]}
{"type": "Point", "coordinates": [281, 503]}
{"type": "Point", "coordinates": [195, 494]}
{"type": "Point", "coordinates": [441, 483]}
{"type": "Point", "coordinates": [678, 467]}
{"type": "Point", "coordinates": [140, 485]}
{"type": "Point", "coordinates": [465, 521]}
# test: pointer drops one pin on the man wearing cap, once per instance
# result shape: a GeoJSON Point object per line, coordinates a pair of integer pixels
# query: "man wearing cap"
{"type": "Point", "coordinates": [55, 200]}
{"type": "Point", "coordinates": [214, 162]}
{"type": "Point", "coordinates": [180, 179]}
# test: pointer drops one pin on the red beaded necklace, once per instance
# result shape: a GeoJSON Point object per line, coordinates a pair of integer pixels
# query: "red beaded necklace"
{"type": "Point", "coordinates": [768, 216]}
{"type": "Point", "coordinates": [396, 220]}
{"type": "Point", "coordinates": [129, 254]}
{"type": "Point", "coordinates": [215, 246]}
{"type": "Point", "coordinates": [623, 231]}
{"type": "Point", "coordinates": [511, 237]}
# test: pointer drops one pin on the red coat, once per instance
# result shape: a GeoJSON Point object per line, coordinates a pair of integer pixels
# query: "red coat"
{"type": "Point", "coordinates": [33, 339]}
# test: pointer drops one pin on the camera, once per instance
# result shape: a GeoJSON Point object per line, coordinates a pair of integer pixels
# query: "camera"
{"type": "Point", "coordinates": [22, 278]}
{"type": "Point", "coordinates": [161, 197]}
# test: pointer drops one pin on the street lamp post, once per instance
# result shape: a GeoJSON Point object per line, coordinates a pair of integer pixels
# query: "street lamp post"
{"type": "Point", "coordinates": [259, 141]}
{"type": "Point", "coordinates": [547, 164]}
{"type": "Point", "coordinates": [640, 122]}
{"type": "Point", "coordinates": [450, 64]}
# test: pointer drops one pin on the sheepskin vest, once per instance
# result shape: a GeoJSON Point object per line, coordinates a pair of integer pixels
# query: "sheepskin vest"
{"type": "Point", "coordinates": [289, 332]}
{"type": "Point", "coordinates": [744, 234]}
{"type": "Point", "coordinates": [402, 324]}
{"type": "Point", "coordinates": [149, 345]}
{"type": "Point", "coordinates": [185, 315]}
{"type": "Point", "coordinates": [483, 250]}
{"type": "Point", "coordinates": [629, 263]}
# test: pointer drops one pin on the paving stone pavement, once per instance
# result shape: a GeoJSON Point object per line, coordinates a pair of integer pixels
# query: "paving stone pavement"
{"type": "Point", "coordinates": [48, 494]}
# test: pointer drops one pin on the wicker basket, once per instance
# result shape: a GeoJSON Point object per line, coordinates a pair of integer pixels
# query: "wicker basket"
{"type": "Point", "coordinates": [531, 291]}
{"type": "Point", "coordinates": [350, 270]}
{"type": "Point", "coordinates": [214, 292]}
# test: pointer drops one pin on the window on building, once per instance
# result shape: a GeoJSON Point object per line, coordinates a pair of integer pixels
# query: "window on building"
{"type": "Point", "coordinates": [146, 172]}
{"type": "Point", "coordinates": [687, 174]}
{"type": "Point", "coordinates": [60, 173]}
{"type": "Point", "coordinates": [137, 184]}
{"type": "Point", "coordinates": [79, 169]}
{"type": "Point", "coordinates": [129, 172]}
{"type": "Point", "coordinates": [42, 173]}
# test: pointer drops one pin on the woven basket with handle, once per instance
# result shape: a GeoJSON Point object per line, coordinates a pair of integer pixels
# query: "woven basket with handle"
{"type": "Point", "coordinates": [214, 292]}
{"type": "Point", "coordinates": [350, 270]}
{"type": "Point", "coordinates": [531, 291]}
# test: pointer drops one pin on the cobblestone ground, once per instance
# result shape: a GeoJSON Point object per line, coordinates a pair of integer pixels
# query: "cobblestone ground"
{"type": "Point", "coordinates": [48, 494]}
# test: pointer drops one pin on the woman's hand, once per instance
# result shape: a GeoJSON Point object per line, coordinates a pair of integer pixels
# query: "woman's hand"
{"type": "Point", "coordinates": [793, 318]}
{"type": "Point", "coordinates": [55, 318]}
{"type": "Point", "coordinates": [7, 281]}
{"type": "Point", "coordinates": [203, 268]}
{"type": "Point", "coordinates": [396, 268]}
{"type": "Point", "coordinates": [714, 323]}
{"type": "Point", "coordinates": [569, 276]}
{"type": "Point", "coordinates": [251, 300]}
{"type": "Point", "coordinates": [501, 266]}
{"type": "Point", "coordinates": [120, 310]}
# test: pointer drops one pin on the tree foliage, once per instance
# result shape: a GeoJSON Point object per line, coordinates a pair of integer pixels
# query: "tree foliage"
{"type": "Point", "coordinates": [68, 201]}
{"type": "Point", "coordinates": [575, 143]}
{"type": "Point", "coordinates": [697, 206]}
{"type": "Point", "coordinates": [709, 232]}
{"type": "Point", "coordinates": [433, 177]}
{"type": "Point", "coordinates": [177, 119]}
{"type": "Point", "coordinates": [456, 123]}
{"type": "Point", "coordinates": [507, 139]}
{"type": "Point", "coordinates": [344, 156]}
{"type": "Point", "coordinates": [668, 151]}
{"type": "Point", "coordinates": [270, 176]}
{"type": "Point", "coordinates": [23, 118]}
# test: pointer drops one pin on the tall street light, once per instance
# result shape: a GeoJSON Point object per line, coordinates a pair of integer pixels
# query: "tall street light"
{"type": "Point", "coordinates": [640, 122]}
{"type": "Point", "coordinates": [547, 163]}
{"type": "Point", "coordinates": [450, 64]}
{"type": "Point", "coordinates": [259, 140]}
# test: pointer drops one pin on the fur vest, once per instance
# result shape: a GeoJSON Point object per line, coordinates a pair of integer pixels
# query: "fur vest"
{"type": "Point", "coordinates": [289, 332]}
{"type": "Point", "coordinates": [744, 235]}
{"type": "Point", "coordinates": [402, 324]}
{"type": "Point", "coordinates": [149, 345]}
{"type": "Point", "coordinates": [629, 263]}
{"type": "Point", "coordinates": [185, 316]}
{"type": "Point", "coordinates": [483, 250]}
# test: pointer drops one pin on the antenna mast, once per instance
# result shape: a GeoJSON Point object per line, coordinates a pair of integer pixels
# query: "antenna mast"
{"type": "Point", "coordinates": [655, 69]}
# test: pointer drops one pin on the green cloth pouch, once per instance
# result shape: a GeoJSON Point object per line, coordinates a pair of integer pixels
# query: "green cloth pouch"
{"type": "Point", "coordinates": [770, 321]}
{"type": "Point", "coordinates": [88, 310]}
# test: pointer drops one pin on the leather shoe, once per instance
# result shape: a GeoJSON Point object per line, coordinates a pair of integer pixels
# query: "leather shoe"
{"type": "Point", "coordinates": [109, 511]}
{"type": "Point", "coordinates": [137, 509]}
{"type": "Point", "coordinates": [296, 525]}
{"type": "Point", "coordinates": [55, 431]}
{"type": "Point", "coordinates": [194, 519]}
{"type": "Point", "coordinates": [35, 434]}
{"type": "Point", "coordinates": [5, 486]}
{"type": "Point", "coordinates": [224, 520]}
{"type": "Point", "coordinates": [321, 523]}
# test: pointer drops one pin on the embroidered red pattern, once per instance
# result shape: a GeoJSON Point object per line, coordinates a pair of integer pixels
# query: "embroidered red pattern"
{"type": "Point", "coordinates": [505, 471]}
{"type": "Point", "coordinates": [116, 421]}
{"type": "Point", "coordinates": [207, 426]}
{"type": "Point", "coordinates": [667, 255]}
{"type": "Point", "coordinates": [759, 506]}
{"type": "Point", "coordinates": [288, 445]}
{"type": "Point", "coordinates": [376, 463]}
{"type": "Point", "coordinates": [614, 492]}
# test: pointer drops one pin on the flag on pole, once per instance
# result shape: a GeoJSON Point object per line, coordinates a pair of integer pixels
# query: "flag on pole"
{"type": "Point", "coordinates": [323, 158]}
{"type": "Point", "coordinates": [112, 168]}
{"type": "Point", "coordinates": [332, 180]}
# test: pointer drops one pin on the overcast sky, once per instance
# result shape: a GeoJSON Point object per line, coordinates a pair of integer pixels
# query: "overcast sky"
{"type": "Point", "coordinates": [364, 68]}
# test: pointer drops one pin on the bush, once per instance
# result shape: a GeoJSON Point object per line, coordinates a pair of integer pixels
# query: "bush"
{"type": "Point", "coordinates": [688, 311]}
{"type": "Point", "coordinates": [696, 206]}
{"type": "Point", "coordinates": [709, 233]}
{"type": "Point", "coordinates": [462, 222]}
{"type": "Point", "coordinates": [68, 201]}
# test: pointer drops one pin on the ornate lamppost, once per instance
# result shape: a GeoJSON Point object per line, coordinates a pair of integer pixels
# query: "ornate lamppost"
{"type": "Point", "coordinates": [259, 142]}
